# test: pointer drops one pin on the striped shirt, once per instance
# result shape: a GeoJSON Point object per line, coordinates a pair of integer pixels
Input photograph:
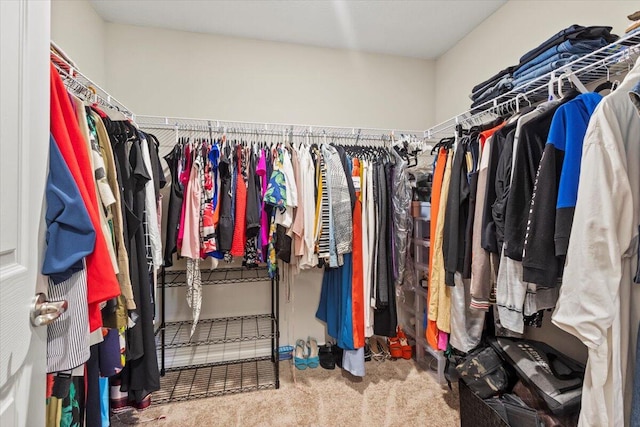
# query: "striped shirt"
{"type": "Point", "coordinates": [323, 241]}
{"type": "Point", "coordinates": [340, 203]}
{"type": "Point", "coordinates": [68, 336]}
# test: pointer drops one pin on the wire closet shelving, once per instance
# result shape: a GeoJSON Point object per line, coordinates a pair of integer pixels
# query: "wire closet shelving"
{"type": "Point", "coordinates": [81, 85]}
{"type": "Point", "coordinates": [608, 62]}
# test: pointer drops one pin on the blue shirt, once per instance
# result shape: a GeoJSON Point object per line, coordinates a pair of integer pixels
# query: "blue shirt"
{"type": "Point", "coordinates": [567, 132]}
{"type": "Point", "coordinates": [70, 233]}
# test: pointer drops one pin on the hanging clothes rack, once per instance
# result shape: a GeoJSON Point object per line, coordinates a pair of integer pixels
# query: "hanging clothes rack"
{"type": "Point", "coordinates": [181, 124]}
{"type": "Point", "coordinates": [84, 87]}
{"type": "Point", "coordinates": [604, 63]}
{"type": "Point", "coordinates": [175, 335]}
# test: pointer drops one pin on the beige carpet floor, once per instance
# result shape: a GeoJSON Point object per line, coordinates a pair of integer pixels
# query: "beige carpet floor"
{"type": "Point", "coordinates": [393, 393]}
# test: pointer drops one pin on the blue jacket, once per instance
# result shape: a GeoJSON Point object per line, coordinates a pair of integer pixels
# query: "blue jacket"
{"type": "Point", "coordinates": [70, 233]}
{"type": "Point", "coordinates": [554, 201]}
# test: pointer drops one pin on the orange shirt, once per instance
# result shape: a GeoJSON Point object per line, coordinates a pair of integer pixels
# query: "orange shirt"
{"type": "Point", "coordinates": [432, 329]}
{"type": "Point", "coordinates": [357, 282]}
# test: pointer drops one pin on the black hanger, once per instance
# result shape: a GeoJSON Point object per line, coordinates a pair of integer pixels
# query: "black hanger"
{"type": "Point", "coordinates": [446, 143]}
{"type": "Point", "coordinates": [608, 85]}
{"type": "Point", "coordinates": [410, 157]}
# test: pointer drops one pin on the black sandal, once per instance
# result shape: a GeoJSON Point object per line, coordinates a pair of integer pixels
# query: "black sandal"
{"type": "Point", "coordinates": [327, 360]}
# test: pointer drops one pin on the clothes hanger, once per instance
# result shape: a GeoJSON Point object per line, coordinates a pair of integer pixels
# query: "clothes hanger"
{"type": "Point", "coordinates": [574, 80]}
{"type": "Point", "coordinates": [606, 85]}
{"type": "Point", "coordinates": [615, 85]}
{"type": "Point", "coordinates": [551, 88]}
{"type": "Point", "coordinates": [443, 143]}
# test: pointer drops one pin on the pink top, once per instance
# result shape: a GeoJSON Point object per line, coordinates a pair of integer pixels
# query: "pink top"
{"type": "Point", "coordinates": [191, 241]}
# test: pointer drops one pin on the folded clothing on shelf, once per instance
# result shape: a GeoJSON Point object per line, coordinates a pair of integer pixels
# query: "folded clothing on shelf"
{"type": "Point", "coordinates": [554, 58]}
{"type": "Point", "coordinates": [540, 61]}
{"type": "Point", "coordinates": [480, 88]}
{"type": "Point", "coordinates": [504, 85]}
{"type": "Point", "coordinates": [557, 51]}
{"type": "Point", "coordinates": [574, 32]}
{"type": "Point", "coordinates": [561, 51]}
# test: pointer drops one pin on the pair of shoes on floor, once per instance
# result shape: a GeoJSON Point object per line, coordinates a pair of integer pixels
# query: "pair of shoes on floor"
{"type": "Point", "coordinates": [399, 347]}
{"type": "Point", "coordinates": [306, 354]}
{"type": "Point", "coordinates": [379, 348]}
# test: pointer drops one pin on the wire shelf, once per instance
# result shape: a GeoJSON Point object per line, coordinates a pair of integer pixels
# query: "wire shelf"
{"type": "Point", "coordinates": [610, 61]}
{"type": "Point", "coordinates": [210, 125]}
{"type": "Point", "coordinates": [219, 331]}
{"type": "Point", "coordinates": [221, 276]}
{"type": "Point", "coordinates": [80, 84]}
{"type": "Point", "coordinates": [216, 379]}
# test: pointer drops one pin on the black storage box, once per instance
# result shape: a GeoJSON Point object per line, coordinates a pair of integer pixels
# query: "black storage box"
{"type": "Point", "coordinates": [474, 412]}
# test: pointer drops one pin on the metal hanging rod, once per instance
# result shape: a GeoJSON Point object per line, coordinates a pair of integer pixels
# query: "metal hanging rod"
{"type": "Point", "coordinates": [204, 131]}
{"type": "Point", "coordinates": [81, 85]}
{"type": "Point", "coordinates": [605, 63]}
{"type": "Point", "coordinates": [186, 124]}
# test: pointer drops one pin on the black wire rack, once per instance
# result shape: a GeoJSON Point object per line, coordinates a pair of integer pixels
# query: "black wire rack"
{"type": "Point", "coordinates": [218, 277]}
{"type": "Point", "coordinates": [238, 366]}
{"type": "Point", "coordinates": [219, 331]}
{"type": "Point", "coordinates": [217, 379]}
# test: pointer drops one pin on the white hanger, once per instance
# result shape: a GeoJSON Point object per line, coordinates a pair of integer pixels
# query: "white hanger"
{"type": "Point", "coordinates": [574, 79]}
{"type": "Point", "coordinates": [551, 87]}
{"type": "Point", "coordinates": [615, 85]}
{"type": "Point", "coordinates": [577, 83]}
{"type": "Point", "coordinates": [524, 96]}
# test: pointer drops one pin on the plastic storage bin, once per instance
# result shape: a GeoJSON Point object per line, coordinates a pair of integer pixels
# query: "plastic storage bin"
{"type": "Point", "coordinates": [420, 209]}
{"type": "Point", "coordinates": [422, 228]}
{"type": "Point", "coordinates": [421, 251]}
{"type": "Point", "coordinates": [285, 352]}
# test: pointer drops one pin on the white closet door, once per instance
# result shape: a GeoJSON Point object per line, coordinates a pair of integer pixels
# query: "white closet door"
{"type": "Point", "coordinates": [24, 147]}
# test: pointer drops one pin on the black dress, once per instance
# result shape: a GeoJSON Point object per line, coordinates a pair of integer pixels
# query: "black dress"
{"type": "Point", "coordinates": [175, 204]}
{"type": "Point", "coordinates": [140, 375]}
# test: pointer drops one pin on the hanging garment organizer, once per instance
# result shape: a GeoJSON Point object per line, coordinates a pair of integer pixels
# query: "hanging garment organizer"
{"type": "Point", "coordinates": [223, 377]}
{"type": "Point", "coordinates": [226, 376]}
{"type": "Point", "coordinates": [260, 371]}
{"type": "Point", "coordinates": [521, 203]}
{"type": "Point", "coordinates": [92, 133]}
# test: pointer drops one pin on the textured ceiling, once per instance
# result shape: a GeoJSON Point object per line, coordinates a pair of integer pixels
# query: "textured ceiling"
{"type": "Point", "coordinates": [422, 29]}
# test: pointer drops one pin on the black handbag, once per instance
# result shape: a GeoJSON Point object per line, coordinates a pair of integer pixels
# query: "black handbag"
{"type": "Point", "coordinates": [484, 372]}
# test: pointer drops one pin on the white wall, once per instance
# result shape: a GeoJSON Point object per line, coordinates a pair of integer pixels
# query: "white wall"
{"type": "Point", "coordinates": [505, 36]}
{"type": "Point", "coordinates": [80, 32]}
{"type": "Point", "coordinates": [165, 72]}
